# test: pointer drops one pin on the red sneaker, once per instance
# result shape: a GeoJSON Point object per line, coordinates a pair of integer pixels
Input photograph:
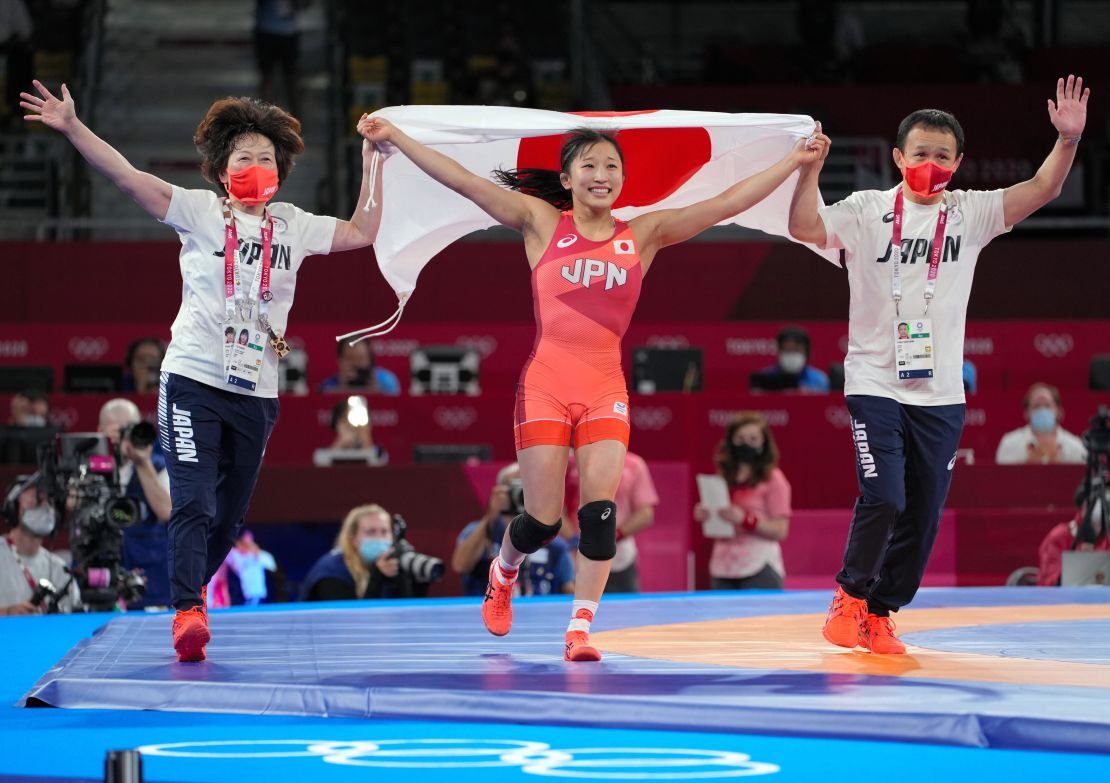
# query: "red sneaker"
{"type": "Point", "coordinates": [842, 624]}
{"type": "Point", "coordinates": [190, 634]}
{"type": "Point", "coordinates": [877, 635]}
{"type": "Point", "coordinates": [578, 648]}
{"type": "Point", "coordinates": [497, 608]}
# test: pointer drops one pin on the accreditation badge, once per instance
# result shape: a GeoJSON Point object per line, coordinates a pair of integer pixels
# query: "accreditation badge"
{"type": "Point", "coordinates": [914, 356]}
{"type": "Point", "coordinates": [243, 357]}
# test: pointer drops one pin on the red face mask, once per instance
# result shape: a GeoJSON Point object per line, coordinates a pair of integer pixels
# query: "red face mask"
{"type": "Point", "coordinates": [926, 179]}
{"type": "Point", "coordinates": [252, 185]}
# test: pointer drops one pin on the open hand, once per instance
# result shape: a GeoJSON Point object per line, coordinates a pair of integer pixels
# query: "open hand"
{"type": "Point", "coordinates": [1069, 114]}
{"type": "Point", "coordinates": [52, 112]}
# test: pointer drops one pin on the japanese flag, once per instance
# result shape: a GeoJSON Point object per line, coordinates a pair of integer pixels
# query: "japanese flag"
{"type": "Point", "coordinates": [672, 159]}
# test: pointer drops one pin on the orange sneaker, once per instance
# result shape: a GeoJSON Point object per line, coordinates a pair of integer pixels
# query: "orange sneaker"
{"type": "Point", "coordinates": [497, 608]}
{"type": "Point", "coordinates": [842, 624]}
{"type": "Point", "coordinates": [578, 648]}
{"type": "Point", "coordinates": [877, 635]}
{"type": "Point", "coordinates": [190, 634]}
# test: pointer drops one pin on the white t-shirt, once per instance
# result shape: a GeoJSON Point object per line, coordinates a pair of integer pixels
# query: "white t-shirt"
{"type": "Point", "coordinates": [861, 224]}
{"type": "Point", "coordinates": [196, 350]}
{"type": "Point", "coordinates": [1013, 449]}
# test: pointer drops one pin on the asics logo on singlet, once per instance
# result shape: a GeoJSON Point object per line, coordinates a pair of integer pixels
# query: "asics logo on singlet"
{"type": "Point", "coordinates": [184, 445]}
{"type": "Point", "coordinates": [587, 270]}
{"type": "Point", "coordinates": [567, 241]}
{"type": "Point", "coordinates": [863, 450]}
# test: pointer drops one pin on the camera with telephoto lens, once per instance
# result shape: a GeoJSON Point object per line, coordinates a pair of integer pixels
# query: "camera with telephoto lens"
{"type": "Point", "coordinates": [1097, 441]}
{"type": "Point", "coordinates": [140, 434]}
{"type": "Point", "coordinates": [422, 568]}
{"type": "Point", "coordinates": [81, 477]}
{"type": "Point", "coordinates": [516, 498]}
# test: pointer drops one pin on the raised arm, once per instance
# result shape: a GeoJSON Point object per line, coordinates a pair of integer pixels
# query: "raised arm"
{"type": "Point", "coordinates": [1069, 116]}
{"type": "Point", "coordinates": [148, 191]}
{"type": "Point", "coordinates": [805, 222]}
{"type": "Point", "coordinates": [671, 226]}
{"type": "Point", "coordinates": [507, 207]}
{"type": "Point", "coordinates": [362, 229]}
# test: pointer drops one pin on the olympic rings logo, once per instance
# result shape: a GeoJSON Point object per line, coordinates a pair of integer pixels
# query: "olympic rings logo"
{"type": "Point", "coordinates": [533, 758]}
{"type": "Point", "coordinates": [838, 416]}
{"type": "Point", "coordinates": [484, 344]}
{"type": "Point", "coordinates": [88, 347]}
{"type": "Point", "coordinates": [455, 418]}
{"type": "Point", "coordinates": [1053, 345]}
{"type": "Point", "coordinates": [651, 418]}
{"type": "Point", "coordinates": [66, 418]}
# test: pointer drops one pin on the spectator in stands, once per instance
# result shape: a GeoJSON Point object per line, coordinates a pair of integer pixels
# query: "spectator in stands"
{"type": "Point", "coordinates": [357, 372]}
{"type": "Point", "coordinates": [29, 408]}
{"type": "Point", "coordinates": [354, 432]}
{"type": "Point", "coordinates": [276, 47]}
{"type": "Point", "coordinates": [550, 569]}
{"type": "Point", "coordinates": [1042, 441]}
{"type": "Point", "coordinates": [636, 500]}
{"type": "Point", "coordinates": [16, 28]}
{"type": "Point", "coordinates": [249, 576]}
{"type": "Point", "coordinates": [142, 367]}
{"type": "Point", "coordinates": [143, 476]}
{"type": "Point", "coordinates": [760, 511]}
{"type": "Point", "coordinates": [792, 370]}
{"type": "Point", "coordinates": [369, 562]}
{"type": "Point", "coordinates": [1062, 538]}
{"type": "Point", "coordinates": [24, 563]}
{"type": "Point", "coordinates": [994, 46]}
{"type": "Point", "coordinates": [832, 40]}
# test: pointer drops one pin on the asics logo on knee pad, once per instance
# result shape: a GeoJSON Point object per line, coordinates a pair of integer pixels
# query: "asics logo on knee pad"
{"type": "Point", "coordinates": [606, 513]}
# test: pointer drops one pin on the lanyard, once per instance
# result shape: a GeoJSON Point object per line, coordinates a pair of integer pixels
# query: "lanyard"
{"type": "Point", "coordinates": [19, 561]}
{"type": "Point", "coordinates": [260, 288]}
{"type": "Point", "coordinates": [896, 255]}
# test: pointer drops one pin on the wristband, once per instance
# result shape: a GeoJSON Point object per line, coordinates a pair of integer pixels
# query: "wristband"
{"type": "Point", "coordinates": [750, 523]}
{"type": "Point", "coordinates": [1071, 141]}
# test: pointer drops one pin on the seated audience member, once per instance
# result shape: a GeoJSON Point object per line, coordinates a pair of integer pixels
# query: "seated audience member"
{"type": "Point", "coordinates": [636, 500]}
{"type": "Point", "coordinates": [357, 372]}
{"type": "Point", "coordinates": [1062, 538]}
{"type": "Point", "coordinates": [142, 367]}
{"type": "Point", "coordinates": [792, 370]}
{"type": "Point", "coordinates": [248, 576]}
{"type": "Point", "coordinates": [1042, 441]}
{"type": "Point", "coordinates": [143, 476]}
{"type": "Point", "coordinates": [549, 569]}
{"type": "Point", "coordinates": [29, 408]}
{"type": "Point", "coordinates": [354, 433]}
{"type": "Point", "coordinates": [367, 562]}
{"type": "Point", "coordinates": [760, 509]}
{"type": "Point", "coordinates": [31, 578]}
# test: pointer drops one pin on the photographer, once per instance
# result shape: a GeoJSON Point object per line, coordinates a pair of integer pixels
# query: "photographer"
{"type": "Point", "coordinates": [357, 372]}
{"type": "Point", "coordinates": [354, 436]}
{"type": "Point", "coordinates": [550, 569]}
{"type": "Point", "coordinates": [1063, 537]}
{"type": "Point", "coordinates": [143, 476]}
{"type": "Point", "coordinates": [30, 576]}
{"type": "Point", "coordinates": [371, 559]}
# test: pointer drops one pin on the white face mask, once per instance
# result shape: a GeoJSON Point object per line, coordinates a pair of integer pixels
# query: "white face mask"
{"type": "Point", "coordinates": [39, 520]}
{"type": "Point", "coordinates": [792, 362]}
{"type": "Point", "coordinates": [34, 420]}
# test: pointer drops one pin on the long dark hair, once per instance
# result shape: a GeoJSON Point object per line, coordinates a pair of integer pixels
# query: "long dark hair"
{"type": "Point", "coordinates": [729, 466]}
{"type": "Point", "coordinates": [230, 118]}
{"type": "Point", "coordinates": [544, 183]}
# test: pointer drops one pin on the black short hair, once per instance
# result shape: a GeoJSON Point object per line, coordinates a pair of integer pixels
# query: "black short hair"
{"type": "Point", "coordinates": [795, 333]}
{"type": "Point", "coordinates": [931, 118]}
{"type": "Point", "coordinates": [137, 344]}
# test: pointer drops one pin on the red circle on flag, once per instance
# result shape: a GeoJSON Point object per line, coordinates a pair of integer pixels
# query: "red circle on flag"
{"type": "Point", "coordinates": [657, 161]}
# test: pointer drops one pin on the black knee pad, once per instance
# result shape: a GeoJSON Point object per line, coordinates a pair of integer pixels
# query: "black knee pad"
{"type": "Point", "coordinates": [529, 534]}
{"type": "Point", "coordinates": [597, 525]}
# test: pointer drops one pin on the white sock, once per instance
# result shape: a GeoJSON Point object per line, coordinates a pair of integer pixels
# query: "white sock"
{"type": "Point", "coordinates": [580, 620]}
{"type": "Point", "coordinates": [506, 573]}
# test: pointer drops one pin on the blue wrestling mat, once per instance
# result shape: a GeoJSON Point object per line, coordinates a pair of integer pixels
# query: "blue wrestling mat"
{"type": "Point", "coordinates": [1012, 683]}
